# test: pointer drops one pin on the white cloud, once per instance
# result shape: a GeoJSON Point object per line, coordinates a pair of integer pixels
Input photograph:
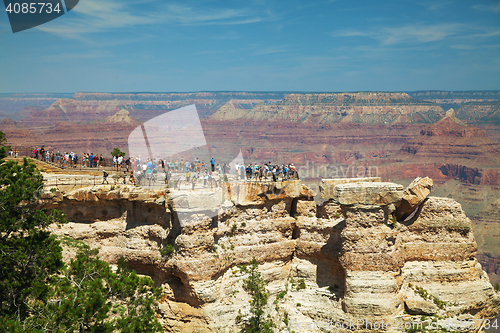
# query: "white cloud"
{"type": "Point", "coordinates": [72, 56]}
{"type": "Point", "coordinates": [492, 8]}
{"type": "Point", "coordinates": [421, 33]}
{"type": "Point", "coordinates": [95, 16]}
{"type": "Point", "coordinates": [487, 34]}
{"type": "Point", "coordinates": [189, 15]}
{"type": "Point", "coordinates": [435, 5]}
{"type": "Point", "coordinates": [463, 47]}
{"type": "Point", "coordinates": [92, 16]}
{"type": "Point", "coordinates": [353, 33]}
{"type": "Point", "coordinates": [271, 50]}
{"type": "Point", "coordinates": [418, 33]}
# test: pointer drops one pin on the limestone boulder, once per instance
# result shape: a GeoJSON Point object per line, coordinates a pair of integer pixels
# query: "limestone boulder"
{"type": "Point", "coordinates": [328, 185]}
{"type": "Point", "coordinates": [413, 196]}
{"type": "Point", "coordinates": [368, 193]}
{"type": "Point", "coordinates": [306, 208]}
{"type": "Point", "coordinates": [420, 307]}
{"type": "Point", "coordinates": [254, 193]}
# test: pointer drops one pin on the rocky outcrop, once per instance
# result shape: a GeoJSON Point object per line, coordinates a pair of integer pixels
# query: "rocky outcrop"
{"type": "Point", "coordinates": [346, 259]}
{"type": "Point", "coordinates": [450, 140]}
{"type": "Point", "coordinates": [366, 108]}
{"type": "Point", "coordinates": [480, 112]}
{"type": "Point", "coordinates": [327, 186]}
{"type": "Point", "coordinates": [122, 116]}
{"type": "Point", "coordinates": [17, 134]}
{"type": "Point", "coordinates": [413, 196]}
{"type": "Point", "coordinates": [465, 174]}
{"type": "Point", "coordinates": [85, 107]}
{"type": "Point", "coordinates": [447, 149]}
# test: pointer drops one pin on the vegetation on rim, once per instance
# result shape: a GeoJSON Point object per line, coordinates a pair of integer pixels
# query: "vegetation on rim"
{"type": "Point", "coordinates": [39, 292]}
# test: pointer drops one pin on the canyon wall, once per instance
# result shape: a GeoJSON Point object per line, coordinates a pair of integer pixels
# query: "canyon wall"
{"type": "Point", "coordinates": [396, 136]}
{"type": "Point", "coordinates": [370, 251]}
{"type": "Point", "coordinates": [364, 108]}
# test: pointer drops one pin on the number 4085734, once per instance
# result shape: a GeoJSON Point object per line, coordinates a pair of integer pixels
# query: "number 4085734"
{"type": "Point", "coordinates": [32, 8]}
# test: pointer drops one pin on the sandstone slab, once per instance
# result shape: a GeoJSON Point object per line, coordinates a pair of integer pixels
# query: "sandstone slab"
{"type": "Point", "coordinates": [328, 185]}
{"type": "Point", "coordinates": [420, 307]}
{"type": "Point", "coordinates": [413, 196]}
{"type": "Point", "coordinates": [306, 208]}
{"type": "Point", "coordinates": [368, 193]}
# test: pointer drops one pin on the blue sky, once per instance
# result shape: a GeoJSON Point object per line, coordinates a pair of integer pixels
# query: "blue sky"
{"type": "Point", "coordinates": [261, 45]}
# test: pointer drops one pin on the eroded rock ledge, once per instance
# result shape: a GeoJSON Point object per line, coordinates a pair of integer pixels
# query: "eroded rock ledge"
{"type": "Point", "coordinates": [368, 251]}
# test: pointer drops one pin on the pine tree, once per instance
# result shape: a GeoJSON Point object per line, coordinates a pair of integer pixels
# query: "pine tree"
{"type": "Point", "coordinates": [3, 149]}
{"type": "Point", "coordinates": [90, 297]}
{"type": "Point", "coordinates": [38, 293]}
{"type": "Point", "coordinates": [255, 286]}
{"type": "Point", "coordinates": [29, 254]}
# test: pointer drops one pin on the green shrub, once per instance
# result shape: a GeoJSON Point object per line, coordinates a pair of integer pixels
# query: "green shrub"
{"type": "Point", "coordinates": [281, 294]}
{"type": "Point", "coordinates": [301, 284]}
{"type": "Point", "coordinates": [239, 317]}
{"type": "Point", "coordinates": [425, 295]}
{"type": "Point", "coordinates": [167, 250]}
{"type": "Point", "coordinates": [242, 268]}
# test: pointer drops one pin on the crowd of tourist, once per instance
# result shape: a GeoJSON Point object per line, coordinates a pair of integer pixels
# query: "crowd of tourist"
{"type": "Point", "coordinates": [191, 173]}
{"type": "Point", "coordinates": [65, 159]}
{"type": "Point", "coordinates": [210, 172]}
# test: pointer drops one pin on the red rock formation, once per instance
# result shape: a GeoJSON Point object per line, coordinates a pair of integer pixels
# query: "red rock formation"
{"type": "Point", "coordinates": [17, 135]}
{"type": "Point", "coordinates": [449, 149]}
{"type": "Point", "coordinates": [365, 108]}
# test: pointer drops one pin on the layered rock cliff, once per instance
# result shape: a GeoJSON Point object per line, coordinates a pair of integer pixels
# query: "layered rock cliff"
{"type": "Point", "coordinates": [365, 108]}
{"type": "Point", "coordinates": [449, 149]}
{"type": "Point", "coordinates": [370, 251]}
{"type": "Point", "coordinates": [453, 140]}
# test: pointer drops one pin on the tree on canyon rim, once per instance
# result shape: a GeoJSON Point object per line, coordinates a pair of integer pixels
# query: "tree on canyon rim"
{"type": "Point", "coordinates": [3, 149]}
{"type": "Point", "coordinates": [254, 284]}
{"type": "Point", "coordinates": [38, 292]}
{"type": "Point", "coordinates": [117, 152]}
